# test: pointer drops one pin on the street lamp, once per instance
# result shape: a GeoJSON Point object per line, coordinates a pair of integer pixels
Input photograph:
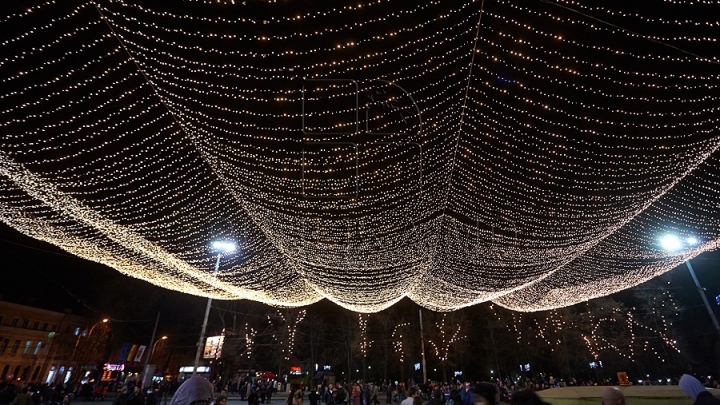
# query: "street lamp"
{"type": "Point", "coordinates": [152, 350]}
{"type": "Point", "coordinates": [673, 243]}
{"type": "Point", "coordinates": [105, 320]}
{"type": "Point", "coordinates": [82, 334]}
{"type": "Point", "coordinates": [77, 342]}
{"type": "Point", "coordinates": [146, 369]}
{"type": "Point", "coordinates": [221, 247]}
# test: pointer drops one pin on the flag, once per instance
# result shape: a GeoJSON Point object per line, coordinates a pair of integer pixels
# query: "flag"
{"type": "Point", "coordinates": [140, 353]}
{"type": "Point", "coordinates": [124, 352]}
{"type": "Point", "coordinates": [131, 354]}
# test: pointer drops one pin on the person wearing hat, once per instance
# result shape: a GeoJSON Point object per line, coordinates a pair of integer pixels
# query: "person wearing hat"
{"type": "Point", "coordinates": [695, 390]}
{"type": "Point", "coordinates": [194, 391]}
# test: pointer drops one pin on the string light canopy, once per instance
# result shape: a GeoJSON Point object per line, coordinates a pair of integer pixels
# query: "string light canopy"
{"type": "Point", "coordinates": [530, 153]}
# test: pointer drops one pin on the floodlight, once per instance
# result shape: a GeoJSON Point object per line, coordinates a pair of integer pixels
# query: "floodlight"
{"type": "Point", "coordinates": [224, 246]}
{"type": "Point", "coordinates": [670, 242]}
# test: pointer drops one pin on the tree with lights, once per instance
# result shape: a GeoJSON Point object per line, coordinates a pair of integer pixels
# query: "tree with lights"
{"type": "Point", "coordinates": [284, 330]}
{"type": "Point", "coordinates": [447, 338]}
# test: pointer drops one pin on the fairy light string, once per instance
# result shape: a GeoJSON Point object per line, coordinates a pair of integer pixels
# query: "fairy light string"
{"type": "Point", "coordinates": [364, 151]}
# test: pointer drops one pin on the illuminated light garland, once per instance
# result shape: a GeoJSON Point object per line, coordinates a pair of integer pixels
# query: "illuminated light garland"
{"type": "Point", "coordinates": [365, 344]}
{"type": "Point", "coordinates": [398, 342]}
{"type": "Point", "coordinates": [532, 159]}
{"type": "Point", "coordinates": [446, 338]}
{"type": "Point", "coordinates": [250, 334]}
{"type": "Point", "coordinates": [287, 339]}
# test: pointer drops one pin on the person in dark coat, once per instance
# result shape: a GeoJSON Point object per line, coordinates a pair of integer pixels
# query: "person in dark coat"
{"type": "Point", "coordinates": [695, 390]}
{"type": "Point", "coordinates": [122, 397]}
{"type": "Point", "coordinates": [437, 398]}
{"type": "Point", "coordinates": [485, 393]}
{"type": "Point", "coordinates": [135, 397]}
{"type": "Point", "coordinates": [314, 397]}
{"type": "Point", "coordinates": [7, 395]}
{"type": "Point", "coordinates": [455, 397]}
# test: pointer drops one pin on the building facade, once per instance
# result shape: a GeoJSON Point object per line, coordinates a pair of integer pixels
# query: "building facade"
{"type": "Point", "coordinates": [37, 345]}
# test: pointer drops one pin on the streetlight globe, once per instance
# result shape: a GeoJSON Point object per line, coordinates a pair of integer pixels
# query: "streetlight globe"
{"type": "Point", "coordinates": [164, 337]}
{"type": "Point", "coordinates": [105, 320]}
{"type": "Point", "coordinates": [670, 242]}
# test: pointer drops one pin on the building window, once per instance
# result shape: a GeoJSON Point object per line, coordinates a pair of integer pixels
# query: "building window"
{"type": "Point", "coordinates": [54, 328]}
{"type": "Point", "coordinates": [27, 347]}
{"type": "Point", "coordinates": [51, 375]}
{"type": "Point", "coordinates": [1, 319]}
{"type": "Point", "coordinates": [5, 344]}
{"type": "Point", "coordinates": [15, 322]}
{"type": "Point", "coordinates": [25, 323]}
{"type": "Point", "coordinates": [15, 347]}
{"type": "Point", "coordinates": [36, 325]}
{"type": "Point", "coordinates": [45, 326]}
{"type": "Point", "coordinates": [38, 346]}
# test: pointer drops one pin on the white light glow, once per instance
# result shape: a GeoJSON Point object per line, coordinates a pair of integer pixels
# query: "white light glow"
{"type": "Point", "coordinates": [227, 247]}
{"type": "Point", "coordinates": [671, 243]}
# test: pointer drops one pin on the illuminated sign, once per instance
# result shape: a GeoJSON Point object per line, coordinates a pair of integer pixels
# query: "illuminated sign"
{"type": "Point", "coordinates": [114, 367]}
{"type": "Point", "coordinates": [200, 369]}
{"type": "Point", "coordinates": [296, 370]}
{"type": "Point", "coordinates": [213, 347]}
{"type": "Point", "coordinates": [417, 366]}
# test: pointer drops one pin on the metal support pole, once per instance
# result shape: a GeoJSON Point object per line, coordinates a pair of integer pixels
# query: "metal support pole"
{"type": "Point", "coordinates": [147, 358]}
{"type": "Point", "coordinates": [201, 342]}
{"type": "Point", "coordinates": [422, 348]}
{"type": "Point", "coordinates": [702, 295]}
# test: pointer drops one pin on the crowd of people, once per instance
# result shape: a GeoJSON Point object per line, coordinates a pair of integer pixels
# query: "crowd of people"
{"type": "Point", "coordinates": [64, 394]}
{"type": "Point", "coordinates": [478, 393]}
{"type": "Point", "coordinates": [202, 392]}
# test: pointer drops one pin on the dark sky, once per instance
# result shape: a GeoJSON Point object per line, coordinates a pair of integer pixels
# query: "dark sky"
{"type": "Point", "coordinates": [39, 274]}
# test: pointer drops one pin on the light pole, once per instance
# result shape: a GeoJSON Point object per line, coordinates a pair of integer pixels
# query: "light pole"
{"type": "Point", "coordinates": [673, 243]}
{"type": "Point", "coordinates": [221, 247]}
{"type": "Point", "coordinates": [147, 358]}
{"type": "Point", "coordinates": [77, 342]}
{"type": "Point", "coordinates": [146, 369]}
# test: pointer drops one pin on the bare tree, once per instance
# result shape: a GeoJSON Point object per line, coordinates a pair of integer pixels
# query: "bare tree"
{"type": "Point", "coordinates": [284, 328]}
{"type": "Point", "coordinates": [445, 334]}
{"type": "Point", "coordinates": [315, 331]}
